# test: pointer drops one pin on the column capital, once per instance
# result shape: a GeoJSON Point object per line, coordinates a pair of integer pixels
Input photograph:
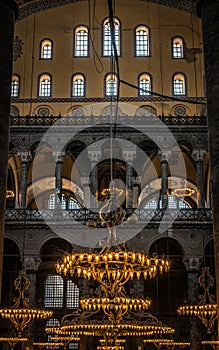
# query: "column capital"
{"type": "Point", "coordinates": [94, 155]}
{"type": "Point", "coordinates": [25, 157]}
{"type": "Point", "coordinates": [59, 156]}
{"type": "Point", "coordinates": [164, 155]}
{"type": "Point", "coordinates": [31, 263]}
{"type": "Point", "coordinates": [192, 264]}
{"type": "Point", "coordinates": [198, 154]}
{"type": "Point", "coordinates": [129, 155]}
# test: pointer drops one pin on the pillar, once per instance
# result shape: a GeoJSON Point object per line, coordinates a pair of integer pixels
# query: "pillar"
{"type": "Point", "coordinates": [85, 183]}
{"type": "Point", "coordinates": [31, 265]}
{"type": "Point", "coordinates": [94, 156]}
{"type": "Point", "coordinates": [193, 265]}
{"type": "Point", "coordinates": [129, 156]}
{"type": "Point", "coordinates": [24, 159]}
{"type": "Point", "coordinates": [198, 156]}
{"type": "Point", "coordinates": [164, 179]}
{"type": "Point", "coordinates": [58, 179]}
{"type": "Point", "coordinates": [208, 11]}
{"type": "Point", "coordinates": [8, 13]}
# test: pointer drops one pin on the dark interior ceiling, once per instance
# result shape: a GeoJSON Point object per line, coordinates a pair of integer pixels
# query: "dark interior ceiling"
{"type": "Point", "coordinates": [27, 7]}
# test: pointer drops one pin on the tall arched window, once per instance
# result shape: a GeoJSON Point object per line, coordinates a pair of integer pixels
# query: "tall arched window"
{"type": "Point", "coordinates": [177, 47]}
{"type": "Point", "coordinates": [111, 84]}
{"type": "Point", "coordinates": [144, 83]}
{"type": "Point", "coordinates": [46, 49]}
{"type": "Point", "coordinates": [53, 296]}
{"type": "Point", "coordinates": [81, 43]}
{"type": "Point", "coordinates": [72, 297]}
{"type": "Point", "coordinates": [15, 86]}
{"type": "Point", "coordinates": [107, 40]}
{"type": "Point", "coordinates": [179, 84]}
{"type": "Point", "coordinates": [78, 85]}
{"type": "Point", "coordinates": [142, 41]}
{"type": "Point", "coordinates": [45, 85]}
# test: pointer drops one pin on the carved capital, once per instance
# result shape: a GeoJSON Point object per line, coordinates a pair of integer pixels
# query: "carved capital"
{"type": "Point", "coordinates": [192, 264]}
{"type": "Point", "coordinates": [31, 263]}
{"type": "Point", "coordinates": [129, 155]}
{"type": "Point", "coordinates": [24, 157]}
{"type": "Point", "coordinates": [94, 155]}
{"type": "Point", "coordinates": [198, 154]}
{"type": "Point", "coordinates": [164, 156]}
{"type": "Point", "coordinates": [59, 156]}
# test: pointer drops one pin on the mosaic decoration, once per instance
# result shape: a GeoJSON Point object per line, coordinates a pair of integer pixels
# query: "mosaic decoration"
{"type": "Point", "coordinates": [180, 110]}
{"type": "Point", "coordinates": [17, 48]}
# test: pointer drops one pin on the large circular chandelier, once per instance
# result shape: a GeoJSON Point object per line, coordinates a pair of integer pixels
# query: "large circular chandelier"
{"type": "Point", "coordinates": [20, 314]}
{"type": "Point", "coordinates": [111, 269]}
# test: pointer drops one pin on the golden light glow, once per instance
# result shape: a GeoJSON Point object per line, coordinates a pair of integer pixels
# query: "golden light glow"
{"type": "Point", "coordinates": [12, 341]}
{"type": "Point", "coordinates": [20, 314]}
{"type": "Point", "coordinates": [10, 194]}
{"type": "Point", "coordinates": [183, 192]}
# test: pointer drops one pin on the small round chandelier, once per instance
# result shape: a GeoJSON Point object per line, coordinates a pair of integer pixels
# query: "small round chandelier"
{"type": "Point", "coordinates": [12, 341]}
{"type": "Point", "coordinates": [20, 314]}
{"type": "Point", "coordinates": [206, 310]}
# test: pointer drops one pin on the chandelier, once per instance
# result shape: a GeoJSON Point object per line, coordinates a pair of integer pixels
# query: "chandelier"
{"type": "Point", "coordinates": [169, 343]}
{"type": "Point", "coordinates": [183, 191]}
{"type": "Point", "coordinates": [213, 343]}
{"type": "Point", "coordinates": [206, 310]}
{"type": "Point", "coordinates": [10, 194]}
{"type": "Point", "coordinates": [20, 314]}
{"type": "Point", "coordinates": [12, 341]}
{"type": "Point", "coordinates": [65, 340]}
{"type": "Point", "coordinates": [49, 344]}
{"type": "Point", "coordinates": [112, 269]}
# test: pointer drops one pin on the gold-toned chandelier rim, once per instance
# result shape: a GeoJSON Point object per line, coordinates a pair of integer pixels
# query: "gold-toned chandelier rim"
{"type": "Point", "coordinates": [183, 192]}
{"type": "Point", "coordinates": [112, 191]}
{"type": "Point", "coordinates": [110, 347]}
{"type": "Point", "coordinates": [198, 309]}
{"type": "Point", "coordinates": [48, 344]}
{"type": "Point", "coordinates": [11, 339]}
{"type": "Point", "coordinates": [116, 303]}
{"type": "Point", "coordinates": [33, 313]}
{"type": "Point", "coordinates": [10, 194]}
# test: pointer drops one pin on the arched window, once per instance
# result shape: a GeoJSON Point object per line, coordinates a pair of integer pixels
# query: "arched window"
{"type": "Point", "coordinates": [173, 203]}
{"type": "Point", "coordinates": [107, 40]}
{"type": "Point", "coordinates": [15, 86]}
{"type": "Point", "coordinates": [67, 202]}
{"type": "Point", "coordinates": [46, 49]}
{"type": "Point", "coordinates": [177, 47]}
{"type": "Point", "coordinates": [78, 85]}
{"type": "Point", "coordinates": [53, 296]}
{"type": "Point", "coordinates": [81, 44]}
{"type": "Point", "coordinates": [111, 83]}
{"type": "Point", "coordinates": [45, 85]}
{"type": "Point", "coordinates": [72, 297]}
{"type": "Point", "coordinates": [179, 84]}
{"type": "Point", "coordinates": [142, 41]}
{"type": "Point", "coordinates": [144, 83]}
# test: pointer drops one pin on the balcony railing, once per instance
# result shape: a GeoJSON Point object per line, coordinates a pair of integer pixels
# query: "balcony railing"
{"type": "Point", "coordinates": [83, 215]}
{"type": "Point", "coordinates": [124, 120]}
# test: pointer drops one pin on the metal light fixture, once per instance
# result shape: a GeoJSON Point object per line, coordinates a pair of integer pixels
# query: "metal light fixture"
{"type": "Point", "coordinates": [65, 340]}
{"type": "Point", "coordinates": [48, 345]}
{"type": "Point", "coordinates": [20, 314]}
{"type": "Point", "coordinates": [206, 309]}
{"type": "Point", "coordinates": [12, 341]}
{"type": "Point", "coordinates": [213, 343]}
{"type": "Point", "coordinates": [183, 191]}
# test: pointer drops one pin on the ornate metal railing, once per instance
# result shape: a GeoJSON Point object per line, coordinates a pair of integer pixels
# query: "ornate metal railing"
{"type": "Point", "coordinates": [124, 120]}
{"type": "Point", "coordinates": [83, 215]}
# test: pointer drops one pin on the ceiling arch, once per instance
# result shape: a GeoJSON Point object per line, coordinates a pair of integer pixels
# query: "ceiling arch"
{"type": "Point", "coordinates": [28, 7]}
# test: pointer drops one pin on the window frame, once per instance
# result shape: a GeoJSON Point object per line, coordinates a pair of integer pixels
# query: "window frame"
{"type": "Point", "coordinates": [151, 84]}
{"type": "Point", "coordinates": [183, 47]}
{"type": "Point", "coordinates": [14, 75]}
{"type": "Point", "coordinates": [75, 41]}
{"type": "Point", "coordinates": [41, 48]}
{"type": "Point", "coordinates": [135, 41]}
{"type": "Point", "coordinates": [120, 37]}
{"type": "Point", "coordinates": [105, 87]}
{"type": "Point", "coordinates": [185, 83]}
{"type": "Point", "coordinates": [39, 85]}
{"type": "Point", "coordinates": [72, 85]}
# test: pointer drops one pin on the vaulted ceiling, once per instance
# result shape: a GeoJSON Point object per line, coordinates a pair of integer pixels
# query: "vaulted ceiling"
{"type": "Point", "coordinates": [28, 7]}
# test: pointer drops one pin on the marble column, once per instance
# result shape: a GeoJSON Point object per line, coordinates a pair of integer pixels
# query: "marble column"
{"type": "Point", "coordinates": [129, 156]}
{"type": "Point", "coordinates": [8, 14]}
{"type": "Point", "coordinates": [94, 156]}
{"type": "Point", "coordinates": [31, 265]}
{"type": "Point", "coordinates": [58, 179]}
{"type": "Point", "coordinates": [198, 156]}
{"type": "Point", "coordinates": [164, 179]}
{"type": "Point", "coordinates": [193, 265]}
{"type": "Point", "coordinates": [24, 159]}
{"type": "Point", "coordinates": [85, 183]}
{"type": "Point", "coordinates": [208, 11]}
